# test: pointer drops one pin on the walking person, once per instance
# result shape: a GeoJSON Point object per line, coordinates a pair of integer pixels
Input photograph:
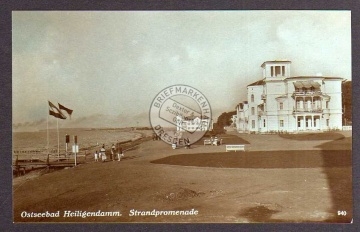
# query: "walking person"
{"type": "Point", "coordinates": [96, 156]}
{"type": "Point", "coordinates": [120, 153]}
{"type": "Point", "coordinates": [103, 154]}
{"type": "Point", "coordinates": [187, 144]}
{"type": "Point", "coordinates": [112, 153]}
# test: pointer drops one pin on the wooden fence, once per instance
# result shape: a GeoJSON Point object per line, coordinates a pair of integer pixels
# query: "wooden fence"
{"type": "Point", "coordinates": [25, 160]}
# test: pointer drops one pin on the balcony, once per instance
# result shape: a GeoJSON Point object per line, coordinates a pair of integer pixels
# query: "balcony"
{"type": "Point", "coordinates": [307, 110]}
{"type": "Point", "coordinates": [307, 93]}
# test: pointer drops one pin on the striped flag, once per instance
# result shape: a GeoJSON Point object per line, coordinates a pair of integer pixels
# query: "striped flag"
{"type": "Point", "coordinates": [69, 111]}
{"type": "Point", "coordinates": [54, 111]}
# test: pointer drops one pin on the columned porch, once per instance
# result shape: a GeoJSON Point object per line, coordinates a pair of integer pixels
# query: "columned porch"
{"type": "Point", "coordinates": [308, 122]}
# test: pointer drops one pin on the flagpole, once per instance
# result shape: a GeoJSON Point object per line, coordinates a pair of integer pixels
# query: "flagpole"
{"type": "Point", "coordinates": [47, 134]}
{"type": "Point", "coordinates": [58, 138]}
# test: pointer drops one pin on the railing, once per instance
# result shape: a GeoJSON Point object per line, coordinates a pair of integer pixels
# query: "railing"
{"type": "Point", "coordinates": [308, 109]}
{"type": "Point", "coordinates": [31, 157]}
{"type": "Point", "coordinates": [347, 128]}
{"type": "Point", "coordinates": [235, 147]}
{"type": "Point", "coordinates": [307, 93]}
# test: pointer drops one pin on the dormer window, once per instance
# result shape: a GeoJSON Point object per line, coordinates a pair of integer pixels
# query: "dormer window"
{"type": "Point", "coordinates": [277, 71]}
{"type": "Point", "coordinates": [276, 68]}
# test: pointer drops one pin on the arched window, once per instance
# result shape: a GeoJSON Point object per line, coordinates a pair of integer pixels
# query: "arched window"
{"type": "Point", "coordinates": [252, 97]}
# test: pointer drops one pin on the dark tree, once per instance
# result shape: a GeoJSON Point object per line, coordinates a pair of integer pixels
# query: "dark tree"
{"type": "Point", "coordinates": [225, 119]}
{"type": "Point", "coordinates": [217, 130]}
{"type": "Point", "coordinates": [346, 102]}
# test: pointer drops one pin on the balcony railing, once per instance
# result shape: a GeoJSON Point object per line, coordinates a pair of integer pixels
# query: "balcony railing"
{"type": "Point", "coordinates": [307, 93]}
{"type": "Point", "coordinates": [308, 110]}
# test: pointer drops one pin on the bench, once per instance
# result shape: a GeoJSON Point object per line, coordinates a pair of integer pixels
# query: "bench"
{"type": "Point", "coordinates": [239, 147]}
{"type": "Point", "coordinates": [207, 142]}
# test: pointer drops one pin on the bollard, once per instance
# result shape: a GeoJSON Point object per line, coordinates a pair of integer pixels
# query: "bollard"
{"type": "Point", "coordinates": [47, 161]}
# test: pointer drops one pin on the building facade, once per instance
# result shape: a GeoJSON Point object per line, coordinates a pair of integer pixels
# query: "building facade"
{"type": "Point", "coordinates": [193, 123]}
{"type": "Point", "coordinates": [282, 103]}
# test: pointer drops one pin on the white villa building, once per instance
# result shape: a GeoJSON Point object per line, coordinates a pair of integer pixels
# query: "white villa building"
{"type": "Point", "coordinates": [233, 120]}
{"type": "Point", "coordinates": [194, 123]}
{"type": "Point", "coordinates": [282, 103]}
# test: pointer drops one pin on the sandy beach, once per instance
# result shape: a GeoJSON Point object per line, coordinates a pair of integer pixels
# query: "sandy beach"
{"type": "Point", "coordinates": [142, 182]}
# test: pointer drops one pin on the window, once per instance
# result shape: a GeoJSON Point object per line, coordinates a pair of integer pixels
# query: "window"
{"type": "Point", "coordinates": [283, 70]}
{"type": "Point", "coordinates": [277, 70]}
{"type": "Point", "coordinates": [327, 122]}
{"type": "Point", "coordinates": [252, 111]}
{"type": "Point", "coordinates": [301, 106]}
{"type": "Point", "coordinates": [327, 104]}
{"type": "Point", "coordinates": [253, 124]}
{"type": "Point", "coordinates": [281, 123]}
{"type": "Point", "coordinates": [272, 71]}
{"type": "Point", "coordinates": [252, 97]}
{"type": "Point", "coordinates": [281, 106]}
{"type": "Point", "coordinates": [308, 107]}
{"type": "Point", "coordinates": [299, 122]}
{"type": "Point", "coordinates": [264, 123]}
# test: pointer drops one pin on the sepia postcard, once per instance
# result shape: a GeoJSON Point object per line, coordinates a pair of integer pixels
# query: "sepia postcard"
{"type": "Point", "coordinates": [182, 116]}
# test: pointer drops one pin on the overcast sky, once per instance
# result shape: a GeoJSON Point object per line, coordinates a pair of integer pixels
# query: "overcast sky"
{"type": "Point", "coordinates": [114, 63]}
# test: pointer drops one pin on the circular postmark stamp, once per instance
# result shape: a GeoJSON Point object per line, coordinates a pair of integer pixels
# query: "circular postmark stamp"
{"type": "Point", "coordinates": [180, 115]}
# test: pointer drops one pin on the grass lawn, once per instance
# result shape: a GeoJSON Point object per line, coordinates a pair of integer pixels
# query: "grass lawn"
{"type": "Point", "coordinates": [263, 159]}
{"type": "Point", "coordinates": [313, 136]}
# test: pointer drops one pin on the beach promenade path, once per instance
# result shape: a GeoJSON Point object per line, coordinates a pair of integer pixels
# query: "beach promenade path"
{"type": "Point", "coordinates": [219, 194]}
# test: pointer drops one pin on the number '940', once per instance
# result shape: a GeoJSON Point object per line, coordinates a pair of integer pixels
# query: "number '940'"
{"type": "Point", "coordinates": [341, 212]}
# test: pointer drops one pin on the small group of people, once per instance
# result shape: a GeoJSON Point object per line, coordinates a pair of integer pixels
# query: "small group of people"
{"type": "Point", "coordinates": [215, 141]}
{"type": "Point", "coordinates": [102, 154]}
{"type": "Point", "coordinates": [155, 137]}
{"type": "Point", "coordinates": [186, 141]}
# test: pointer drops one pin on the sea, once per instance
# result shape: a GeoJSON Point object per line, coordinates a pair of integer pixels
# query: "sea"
{"type": "Point", "coordinates": [86, 138]}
